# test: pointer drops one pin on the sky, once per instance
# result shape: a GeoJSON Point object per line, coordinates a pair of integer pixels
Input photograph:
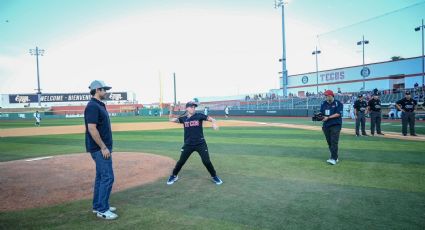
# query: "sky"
{"type": "Point", "coordinates": [215, 47]}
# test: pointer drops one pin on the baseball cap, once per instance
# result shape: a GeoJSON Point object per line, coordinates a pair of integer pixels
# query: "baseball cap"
{"type": "Point", "coordinates": [360, 95]}
{"type": "Point", "coordinates": [329, 93]}
{"type": "Point", "coordinates": [96, 84]}
{"type": "Point", "coordinates": [190, 104]}
{"type": "Point", "coordinates": [407, 93]}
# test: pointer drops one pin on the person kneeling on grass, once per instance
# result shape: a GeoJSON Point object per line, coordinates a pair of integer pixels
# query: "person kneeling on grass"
{"type": "Point", "coordinates": [193, 141]}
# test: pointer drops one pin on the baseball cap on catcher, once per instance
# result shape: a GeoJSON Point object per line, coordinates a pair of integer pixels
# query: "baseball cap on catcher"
{"type": "Point", "coordinates": [329, 93]}
{"type": "Point", "coordinates": [96, 84]}
{"type": "Point", "coordinates": [190, 104]}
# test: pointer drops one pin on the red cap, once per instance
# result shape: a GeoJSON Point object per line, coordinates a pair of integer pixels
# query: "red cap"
{"type": "Point", "coordinates": [329, 93]}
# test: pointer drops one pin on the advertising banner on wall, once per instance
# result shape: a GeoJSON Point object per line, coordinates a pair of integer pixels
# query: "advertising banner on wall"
{"type": "Point", "coordinates": [63, 97]}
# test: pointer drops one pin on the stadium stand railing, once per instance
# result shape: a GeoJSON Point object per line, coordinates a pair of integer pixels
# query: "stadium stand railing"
{"type": "Point", "coordinates": [388, 97]}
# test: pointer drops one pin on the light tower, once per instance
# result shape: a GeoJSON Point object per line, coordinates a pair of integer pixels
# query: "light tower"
{"type": "Point", "coordinates": [277, 4]}
{"type": "Point", "coordinates": [37, 52]}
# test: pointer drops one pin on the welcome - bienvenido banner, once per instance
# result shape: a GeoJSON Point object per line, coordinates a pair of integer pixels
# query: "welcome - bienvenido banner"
{"type": "Point", "coordinates": [62, 97]}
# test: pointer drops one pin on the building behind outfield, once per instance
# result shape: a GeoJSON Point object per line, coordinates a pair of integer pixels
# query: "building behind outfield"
{"type": "Point", "coordinates": [389, 75]}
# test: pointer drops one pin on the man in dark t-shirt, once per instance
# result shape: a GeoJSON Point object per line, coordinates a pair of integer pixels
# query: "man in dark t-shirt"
{"type": "Point", "coordinates": [194, 141]}
{"type": "Point", "coordinates": [332, 111]}
{"type": "Point", "coordinates": [99, 144]}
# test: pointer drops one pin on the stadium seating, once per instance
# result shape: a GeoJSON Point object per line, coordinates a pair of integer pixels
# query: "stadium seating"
{"type": "Point", "coordinates": [312, 102]}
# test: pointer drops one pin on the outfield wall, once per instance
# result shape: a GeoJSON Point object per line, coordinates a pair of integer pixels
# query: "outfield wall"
{"type": "Point", "coordinates": [49, 115]}
{"type": "Point", "coordinates": [61, 112]}
{"type": "Point", "coordinates": [30, 100]}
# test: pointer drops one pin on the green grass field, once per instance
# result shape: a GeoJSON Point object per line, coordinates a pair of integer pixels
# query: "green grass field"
{"type": "Point", "coordinates": [393, 126]}
{"type": "Point", "coordinates": [274, 178]}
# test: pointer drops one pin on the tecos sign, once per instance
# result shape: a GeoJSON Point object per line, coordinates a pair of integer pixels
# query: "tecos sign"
{"type": "Point", "coordinates": [332, 76]}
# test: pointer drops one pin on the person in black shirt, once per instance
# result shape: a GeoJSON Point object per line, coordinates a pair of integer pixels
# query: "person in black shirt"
{"type": "Point", "coordinates": [194, 141]}
{"type": "Point", "coordinates": [407, 106]}
{"type": "Point", "coordinates": [374, 108]}
{"type": "Point", "coordinates": [360, 110]}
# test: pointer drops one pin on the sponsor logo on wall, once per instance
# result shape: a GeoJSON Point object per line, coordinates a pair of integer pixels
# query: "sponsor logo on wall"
{"type": "Point", "coordinates": [365, 72]}
{"type": "Point", "coordinates": [20, 99]}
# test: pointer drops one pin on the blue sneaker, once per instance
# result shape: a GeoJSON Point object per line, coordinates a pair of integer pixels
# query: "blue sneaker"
{"type": "Point", "coordinates": [217, 180]}
{"type": "Point", "coordinates": [172, 179]}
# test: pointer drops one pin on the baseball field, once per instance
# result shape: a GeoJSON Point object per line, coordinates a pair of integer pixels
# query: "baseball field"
{"type": "Point", "coordinates": [274, 172]}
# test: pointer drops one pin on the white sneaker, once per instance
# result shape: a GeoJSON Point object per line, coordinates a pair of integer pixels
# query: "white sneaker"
{"type": "Point", "coordinates": [217, 180]}
{"type": "Point", "coordinates": [331, 161]}
{"type": "Point", "coordinates": [112, 209]}
{"type": "Point", "coordinates": [172, 179]}
{"type": "Point", "coordinates": [108, 215]}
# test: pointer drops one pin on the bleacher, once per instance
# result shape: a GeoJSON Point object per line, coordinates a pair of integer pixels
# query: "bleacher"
{"type": "Point", "coordinates": [313, 102]}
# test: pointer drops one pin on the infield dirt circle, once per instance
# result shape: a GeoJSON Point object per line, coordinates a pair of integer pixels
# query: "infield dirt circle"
{"type": "Point", "coordinates": [59, 179]}
{"type": "Point", "coordinates": [49, 181]}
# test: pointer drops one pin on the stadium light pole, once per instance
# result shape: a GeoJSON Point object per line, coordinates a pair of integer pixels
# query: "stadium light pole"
{"type": "Point", "coordinates": [37, 52]}
{"type": "Point", "coordinates": [363, 43]}
{"type": "Point", "coordinates": [422, 28]}
{"type": "Point", "coordinates": [277, 4]}
{"type": "Point", "coordinates": [175, 95]}
{"type": "Point", "coordinates": [317, 52]}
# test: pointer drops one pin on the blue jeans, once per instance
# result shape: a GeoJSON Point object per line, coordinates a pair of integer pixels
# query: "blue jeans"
{"type": "Point", "coordinates": [103, 182]}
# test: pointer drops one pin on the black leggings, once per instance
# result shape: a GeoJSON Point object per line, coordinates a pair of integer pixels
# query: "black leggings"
{"type": "Point", "coordinates": [187, 150]}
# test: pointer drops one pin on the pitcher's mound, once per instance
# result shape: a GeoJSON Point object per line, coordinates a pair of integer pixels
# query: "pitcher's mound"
{"type": "Point", "coordinates": [53, 180]}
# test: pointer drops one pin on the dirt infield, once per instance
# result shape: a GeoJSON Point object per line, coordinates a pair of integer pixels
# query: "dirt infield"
{"type": "Point", "coordinates": [49, 181]}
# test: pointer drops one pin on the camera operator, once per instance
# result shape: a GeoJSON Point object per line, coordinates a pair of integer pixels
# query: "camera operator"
{"type": "Point", "coordinates": [332, 111]}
